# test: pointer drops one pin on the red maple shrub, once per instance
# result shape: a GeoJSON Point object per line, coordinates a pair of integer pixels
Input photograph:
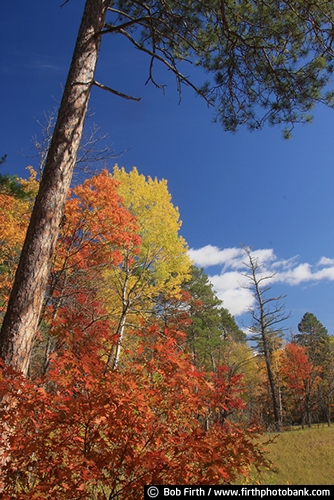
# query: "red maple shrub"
{"type": "Point", "coordinates": [84, 432]}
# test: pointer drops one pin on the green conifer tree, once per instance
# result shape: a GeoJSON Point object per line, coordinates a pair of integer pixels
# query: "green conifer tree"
{"type": "Point", "coordinates": [211, 323]}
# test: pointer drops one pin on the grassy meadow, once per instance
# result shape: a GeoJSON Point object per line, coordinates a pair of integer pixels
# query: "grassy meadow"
{"type": "Point", "coordinates": [301, 456]}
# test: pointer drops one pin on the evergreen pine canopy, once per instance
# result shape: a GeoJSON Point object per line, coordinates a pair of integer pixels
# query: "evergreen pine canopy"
{"type": "Point", "coordinates": [314, 336]}
{"type": "Point", "coordinates": [265, 60]}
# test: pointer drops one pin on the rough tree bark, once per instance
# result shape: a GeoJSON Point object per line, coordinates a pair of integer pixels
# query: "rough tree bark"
{"type": "Point", "coordinates": [24, 307]}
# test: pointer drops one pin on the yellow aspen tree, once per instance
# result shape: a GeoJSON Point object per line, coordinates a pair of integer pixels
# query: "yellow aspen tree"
{"type": "Point", "coordinates": [159, 266]}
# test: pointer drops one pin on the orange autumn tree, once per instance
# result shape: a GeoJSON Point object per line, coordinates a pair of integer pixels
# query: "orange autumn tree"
{"type": "Point", "coordinates": [96, 228]}
{"type": "Point", "coordinates": [302, 378]}
{"type": "Point", "coordinates": [15, 211]}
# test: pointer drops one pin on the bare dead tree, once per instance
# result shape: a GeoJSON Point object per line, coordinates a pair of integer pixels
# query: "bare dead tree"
{"type": "Point", "coordinates": [267, 313]}
{"type": "Point", "coordinates": [94, 151]}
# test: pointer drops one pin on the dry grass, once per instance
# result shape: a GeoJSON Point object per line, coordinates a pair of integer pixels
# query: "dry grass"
{"type": "Point", "coordinates": [301, 456]}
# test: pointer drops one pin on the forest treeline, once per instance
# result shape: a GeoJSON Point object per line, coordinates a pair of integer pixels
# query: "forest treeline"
{"type": "Point", "coordinates": [138, 374]}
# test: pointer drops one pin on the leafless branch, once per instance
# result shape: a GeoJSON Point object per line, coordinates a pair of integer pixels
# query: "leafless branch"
{"type": "Point", "coordinates": [110, 28]}
{"type": "Point", "coordinates": [94, 148]}
{"type": "Point", "coordinates": [180, 77]}
{"type": "Point", "coordinates": [115, 92]}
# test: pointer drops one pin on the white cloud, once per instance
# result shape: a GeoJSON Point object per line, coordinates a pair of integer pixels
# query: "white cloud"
{"type": "Point", "coordinates": [264, 256]}
{"type": "Point", "coordinates": [325, 261]}
{"type": "Point", "coordinates": [229, 284]}
{"type": "Point", "coordinates": [212, 256]}
{"type": "Point", "coordinates": [326, 273]}
{"type": "Point", "coordinates": [295, 275]}
{"type": "Point", "coordinates": [229, 288]}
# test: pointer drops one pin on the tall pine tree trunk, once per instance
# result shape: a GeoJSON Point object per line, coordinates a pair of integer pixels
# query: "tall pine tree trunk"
{"type": "Point", "coordinates": [25, 303]}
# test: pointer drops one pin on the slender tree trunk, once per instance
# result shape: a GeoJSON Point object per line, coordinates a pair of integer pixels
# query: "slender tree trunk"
{"type": "Point", "coordinates": [25, 303]}
{"type": "Point", "coordinates": [308, 406]}
{"type": "Point", "coordinates": [266, 350]}
{"type": "Point", "coordinates": [271, 378]}
{"type": "Point", "coordinates": [329, 413]}
{"type": "Point", "coordinates": [267, 357]}
{"type": "Point", "coordinates": [120, 331]}
{"type": "Point", "coordinates": [122, 321]}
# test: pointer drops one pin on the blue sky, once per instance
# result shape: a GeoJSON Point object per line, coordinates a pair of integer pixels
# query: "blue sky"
{"type": "Point", "coordinates": [246, 188]}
